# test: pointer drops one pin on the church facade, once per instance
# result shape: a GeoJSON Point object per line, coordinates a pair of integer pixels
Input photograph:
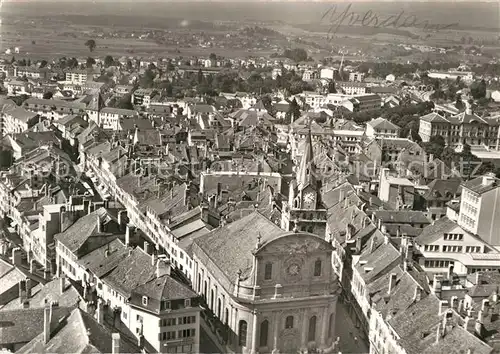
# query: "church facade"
{"type": "Point", "coordinates": [270, 290]}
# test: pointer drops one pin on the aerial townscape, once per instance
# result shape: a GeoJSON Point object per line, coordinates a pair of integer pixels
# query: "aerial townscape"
{"type": "Point", "coordinates": [231, 182]}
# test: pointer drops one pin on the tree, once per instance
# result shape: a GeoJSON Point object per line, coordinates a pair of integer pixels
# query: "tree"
{"type": "Point", "coordinates": [90, 62]}
{"type": "Point", "coordinates": [108, 61]}
{"type": "Point", "coordinates": [129, 65]}
{"type": "Point", "coordinates": [459, 104]}
{"type": "Point", "coordinates": [47, 95]}
{"type": "Point", "coordinates": [331, 87]}
{"type": "Point", "coordinates": [293, 111]}
{"type": "Point", "coordinates": [478, 89]}
{"type": "Point", "coordinates": [90, 44]}
{"type": "Point", "coordinates": [212, 56]}
{"type": "Point", "coordinates": [125, 102]}
{"type": "Point", "coordinates": [200, 77]}
{"type": "Point", "coordinates": [43, 63]}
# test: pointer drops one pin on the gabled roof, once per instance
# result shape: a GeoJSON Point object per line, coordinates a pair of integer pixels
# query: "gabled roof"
{"type": "Point", "coordinates": [230, 246]}
{"type": "Point", "coordinates": [78, 333]}
{"type": "Point", "coordinates": [382, 123]}
{"type": "Point", "coordinates": [83, 234]}
{"type": "Point", "coordinates": [435, 231]}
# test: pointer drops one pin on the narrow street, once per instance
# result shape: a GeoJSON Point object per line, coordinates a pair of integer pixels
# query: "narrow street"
{"type": "Point", "coordinates": [351, 339]}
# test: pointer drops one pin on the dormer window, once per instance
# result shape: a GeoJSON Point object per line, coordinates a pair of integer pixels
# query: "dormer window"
{"type": "Point", "coordinates": [145, 300]}
{"type": "Point", "coordinates": [187, 303]}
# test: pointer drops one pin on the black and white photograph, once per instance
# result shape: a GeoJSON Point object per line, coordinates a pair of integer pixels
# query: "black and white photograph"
{"type": "Point", "coordinates": [250, 176]}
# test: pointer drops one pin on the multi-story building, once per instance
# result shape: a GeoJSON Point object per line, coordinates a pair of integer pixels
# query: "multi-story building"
{"type": "Point", "coordinates": [270, 290]}
{"type": "Point", "coordinates": [151, 300]}
{"type": "Point", "coordinates": [356, 76]}
{"type": "Point", "coordinates": [53, 109]}
{"type": "Point", "coordinates": [142, 97]}
{"type": "Point", "coordinates": [480, 208]}
{"type": "Point", "coordinates": [77, 76]}
{"type": "Point", "coordinates": [352, 88]}
{"type": "Point", "coordinates": [381, 128]}
{"type": "Point", "coordinates": [31, 72]}
{"type": "Point", "coordinates": [363, 103]}
{"type": "Point", "coordinates": [446, 244]}
{"type": "Point", "coordinates": [463, 128]}
{"type": "Point", "coordinates": [16, 120]}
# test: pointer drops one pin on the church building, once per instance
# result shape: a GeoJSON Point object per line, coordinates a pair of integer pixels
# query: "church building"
{"type": "Point", "coordinates": [270, 290]}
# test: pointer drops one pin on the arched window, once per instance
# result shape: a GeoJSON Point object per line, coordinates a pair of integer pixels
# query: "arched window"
{"type": "Point", "coordinates": [212, 299]}
{"type": "Point", "coordinates": [310, 229]}
{"type": "Point", "coordinates": [218, 309]}
{"type": "Point", "coordinates": [289, 322]}
{"type": "Point", "coordinates": [264, 331]}
{"type": "Point", "coordinates": [199, 282]}
{"type": "Point", "coordinates": [242, 333]}
{"type": "Point", "coordinates": [226, 316]}
{"type": "Point", "coordinates": [317, 268]}
{"type": "Point", "coordinates": [330, 326]}
{"type": "Point", "coordinates": [268, 271]}
{"type": "Point", "coordinates": [205, 290]}
{"type": "Point", "coordinates": [312, 329]}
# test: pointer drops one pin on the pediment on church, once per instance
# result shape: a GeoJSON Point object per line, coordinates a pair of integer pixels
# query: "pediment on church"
{"type": "Point", "coordinates": [296, 243]}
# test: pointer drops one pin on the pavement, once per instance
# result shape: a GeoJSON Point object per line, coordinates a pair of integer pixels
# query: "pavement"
{"type": "Point", "coordinates": [352, 340]}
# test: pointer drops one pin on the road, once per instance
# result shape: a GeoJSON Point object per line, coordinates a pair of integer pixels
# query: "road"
{"type": "Point", "coordinates": [351, 338]}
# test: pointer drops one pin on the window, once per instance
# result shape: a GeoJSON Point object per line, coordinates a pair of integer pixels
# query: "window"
{"type": "Point", "coordinates": [268, 271]}
{"type": "Point", "coordinates": [312, 329]}
{"type": "Point", "coordinates": [145, 300]}
{"type": "Point", "coordinates": [218, 308]}
{"type": "Point", "coordinates": [453, 237]}
{"type": "Point", "coordinates": [289, 322]}
{"type": "Point", "coordinates": [431, 248]}
{"type": "Point", "coordinates": [187, 302]}
{"type": "Point", "coordinates": [264, 331]}
{"type": "Point", "coordinates": [165, 305]}
{"type": "Point", "coordinates": [317, 268]}
{"type": "Point", "coordinates": [242, 333]}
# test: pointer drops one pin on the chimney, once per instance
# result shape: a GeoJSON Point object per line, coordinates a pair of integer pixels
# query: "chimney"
{"type": "Point", "coordinates": [140, 341]}
{"type": "Point", "coordinates": [22, 291]}
{"type": "Point", "coordinates": [162, 266]}
{"type": "Point", "coordinates": [121, 218]}
{"type": "Point", "coordinates": [116, 343]}
{"type": "Point", "coordinates": [372, 245]}
{"type": "Point", "coordinates": [478, 278]}
{"type": "Point", "coordinates": [62, 216]}
{"type": "Point", "coordinates": [341, 195]}
{"type": "Point", "coordinates": [186, 196]}
{"type": "Point", "coordinates": [147, 247]}
{"type": "Point", "coordinates": [32, 266]}
{"type": "Point", "coordinates": [418, 294]}
{"type": "Point", "coordinates": [450, 272]}
{"type": "Point", "coordinates": [29, 285]}
{"type": "Point", "coordinates": [392, 283]}
{"type": "Point", "coordinates": [442, 304]}
{"type": "Point", "coordinates": [438, 333]}
{"type": "Point", "coordinates": [409, 249]}
{"type": "Point", "coordinates": [454, 302]}
{"type": "Point", "coordinates": [436, 286]}
{"type": "Point", "coordinates": [358, 245]}
{"type": "Point", "coordinates": [16, 256]}
{"type": "Point", "coordinates": [379, 224]}
{"type": "Point", "coordinates": [99, 226]}
{"type": "Point", "coordinates": [479, 323]}
{"type": "Point", "coordinates": [46, 323]}
{"type": "Point", "coordinates": [494, 296]}
{"type": "Point", "coordinates": [100, 311]}
{"type": "Point", "coordinates": [129, 232]}
{"type": "Point", "coordinates": [384, 229]}
{"type": "Point", "coordinates": [62, 284]}
{"type": "Point", "coordinates": [485, 305]}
